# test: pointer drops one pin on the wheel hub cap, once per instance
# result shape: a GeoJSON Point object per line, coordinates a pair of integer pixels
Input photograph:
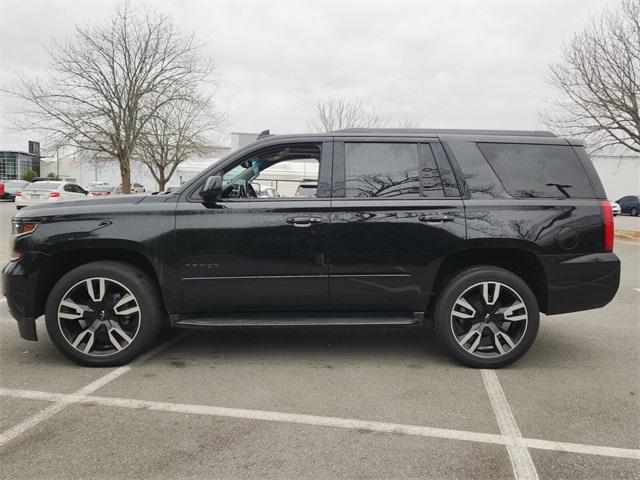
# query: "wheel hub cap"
{"type": "Point", "coordinates": [489, 319]}
{"type": "Point", "coordinates": [99, 316]}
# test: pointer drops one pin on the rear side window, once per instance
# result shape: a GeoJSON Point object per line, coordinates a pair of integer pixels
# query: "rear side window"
{"type": "Point", "coordinates": [538, 171]}
{"type": "Point", "coordinates": [390, 170]}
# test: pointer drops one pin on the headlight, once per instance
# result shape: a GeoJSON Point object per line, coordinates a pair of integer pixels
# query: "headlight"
{"type": "Point", "coordinates": [23, 228]}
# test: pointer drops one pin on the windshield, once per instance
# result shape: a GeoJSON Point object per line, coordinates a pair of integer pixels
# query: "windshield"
{"type": "Point", "coordinates": [15, 183]}
{"type": "Point", "coordinates": [44, 186]}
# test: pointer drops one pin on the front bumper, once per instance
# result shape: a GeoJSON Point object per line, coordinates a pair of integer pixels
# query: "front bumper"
{"type": "Point", "coordinates": [19, 286]}
{"type": "Point", "coordinates": [580, 283]}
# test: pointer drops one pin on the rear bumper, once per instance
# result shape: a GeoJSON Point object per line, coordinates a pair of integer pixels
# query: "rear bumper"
{"type": "Point", "coordinates": [19, 286]}
{"type": "Point", "coordinates": [580, 283]}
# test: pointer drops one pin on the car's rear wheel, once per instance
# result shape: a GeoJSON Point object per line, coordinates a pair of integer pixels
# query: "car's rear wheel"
{"type": "Point", "coordinates": [104, 313]}
{"type": "Point", "coordinates": [487, 317]}
{"type": "Point", "coordinates": [634, 211]}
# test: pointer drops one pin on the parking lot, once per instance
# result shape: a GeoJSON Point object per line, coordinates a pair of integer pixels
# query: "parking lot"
{"type": "Point", "coordinates": [330, 403]}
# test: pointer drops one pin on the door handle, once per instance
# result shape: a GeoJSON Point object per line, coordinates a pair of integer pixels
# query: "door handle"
{"type": "Point", "coordinates": [303, 221]}
{"type": "Point", "coordinates": [436, 218]}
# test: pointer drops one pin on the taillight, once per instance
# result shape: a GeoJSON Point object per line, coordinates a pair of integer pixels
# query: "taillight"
{"type": "Point", "coordinates": [54, 194]}
{"type": "Point", "coordinates": [18, 193]}
{"type": "Point", "coordinates": [607, 223]}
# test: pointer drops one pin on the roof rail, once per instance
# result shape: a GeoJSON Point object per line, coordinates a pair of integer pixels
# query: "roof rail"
{"type": "Point", "coordinates": [443, 131]}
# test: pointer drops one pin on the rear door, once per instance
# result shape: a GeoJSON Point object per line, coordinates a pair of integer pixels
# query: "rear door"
{"type": "Point", "coordinates": [396, 212]}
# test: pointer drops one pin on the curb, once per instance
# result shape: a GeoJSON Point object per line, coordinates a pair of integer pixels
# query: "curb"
{"type": "Point", "coordinates": [632, 235]}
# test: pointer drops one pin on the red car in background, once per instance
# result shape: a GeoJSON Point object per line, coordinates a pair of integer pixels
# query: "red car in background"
{"type": "Point", "coordinates": [8, 188]}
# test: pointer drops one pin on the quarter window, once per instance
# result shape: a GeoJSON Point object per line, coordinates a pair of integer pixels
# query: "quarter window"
{"type": "Point", "coordinates": [538, 171]}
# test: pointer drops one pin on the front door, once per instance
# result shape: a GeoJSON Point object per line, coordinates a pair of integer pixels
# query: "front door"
{"type": "Point", "coordinates": [396, 211]}
{"type": "Point", "coordinates": [263, 246]}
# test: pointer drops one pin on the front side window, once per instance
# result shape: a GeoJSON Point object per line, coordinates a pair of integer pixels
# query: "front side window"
{"type": "Point", "coordinates": [381, 170]}
{"type": "Point", "coordinates": [283, 171]}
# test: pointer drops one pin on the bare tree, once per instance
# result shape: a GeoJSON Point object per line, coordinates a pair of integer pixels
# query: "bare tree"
{"type": "Point", "coordinates": [336, 114]}
{"type": "Point", "coordinates": [108, 81]}
{"type": "Point", "coordinates": [599, 81]}
{"type": "Point", "coordinates": [178, 131]}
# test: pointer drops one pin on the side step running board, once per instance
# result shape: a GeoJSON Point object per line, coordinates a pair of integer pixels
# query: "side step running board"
{"type": "Point", "coordinates": [289, 319]}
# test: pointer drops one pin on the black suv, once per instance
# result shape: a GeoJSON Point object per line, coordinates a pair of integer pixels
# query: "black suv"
{"type": "Point", "coordinates": [475, 231]}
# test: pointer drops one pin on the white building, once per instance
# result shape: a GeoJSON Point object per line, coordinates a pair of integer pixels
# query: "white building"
{"type": "Point", "coordinates": [620, 174]}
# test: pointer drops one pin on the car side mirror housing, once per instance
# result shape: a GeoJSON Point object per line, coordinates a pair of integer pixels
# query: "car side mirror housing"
{"type": "Point", "coordinates": [212, 191]}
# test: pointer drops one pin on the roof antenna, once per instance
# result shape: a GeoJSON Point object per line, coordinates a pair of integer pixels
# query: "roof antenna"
{"type": "Point", "coordinates": [264, 133]}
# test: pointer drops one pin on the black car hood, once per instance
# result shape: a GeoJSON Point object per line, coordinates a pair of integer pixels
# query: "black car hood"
{"type": "Point", "coordinates": [103, 205]}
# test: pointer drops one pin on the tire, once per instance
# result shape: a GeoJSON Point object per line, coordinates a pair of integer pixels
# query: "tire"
{"type": "Point", "coordinates": [634, 212]}
{"type": "Point", "coordinates": [504, 330]}
{"type": "Point", "coordinates": [111, 311]}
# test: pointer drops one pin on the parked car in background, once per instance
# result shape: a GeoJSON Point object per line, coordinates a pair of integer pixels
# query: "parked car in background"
{"type": "Point", "coordinates": [615, 208]}
{"type": "Point", "coordinates": [307, 190]}
{"type": "Point", "coordinates": [100, 190]}
{"type": "Point", "coordinates": [630, 205]}
{"type": "Point", "coordinates": [8, 188]}
{"type": "Point", "coordinates": [44, 192]}
{"type": "Point", "coordinates": [92, 185]}
{"type": "Point", "coordinates": [135, 188]}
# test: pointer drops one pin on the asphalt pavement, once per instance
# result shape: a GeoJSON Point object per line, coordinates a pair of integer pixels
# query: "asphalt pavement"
{"type": "Point", "coordinates": [627, 222]}
{"type": "Point", "coordinates": [330, 403]}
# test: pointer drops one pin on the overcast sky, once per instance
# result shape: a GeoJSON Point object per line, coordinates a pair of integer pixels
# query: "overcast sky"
{"type": "Point", "coordinates": [440, 64]}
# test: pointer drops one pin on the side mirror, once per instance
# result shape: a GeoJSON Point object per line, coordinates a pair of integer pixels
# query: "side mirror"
{"type": "Point", "coordinates": [212, 191]}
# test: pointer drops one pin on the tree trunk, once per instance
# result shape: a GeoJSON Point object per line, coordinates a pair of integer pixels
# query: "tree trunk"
{"type": "Point", "coordinates": [125, 174]}
{"type": "Point", "coordinates": [162, 182]}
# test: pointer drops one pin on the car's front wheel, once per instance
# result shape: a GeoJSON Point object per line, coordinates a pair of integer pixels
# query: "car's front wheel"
{"type": "Point", "coordinates": [487, 317]}
{"type": "Point", "coordinates": [104, 313]}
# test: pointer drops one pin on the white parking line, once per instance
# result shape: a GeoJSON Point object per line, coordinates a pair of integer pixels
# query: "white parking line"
{"type": "Point", "coordinates": [637, 290]}
{"type": "Point", "coordinates": [521, 462]}
{"type": "Point", "coordinates": [334, 422]}
{"type": "Point", "coordinates": [67, 400]}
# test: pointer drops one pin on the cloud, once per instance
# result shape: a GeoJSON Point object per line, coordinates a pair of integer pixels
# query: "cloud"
{"type": "Point", "coordinates": [467, 65]}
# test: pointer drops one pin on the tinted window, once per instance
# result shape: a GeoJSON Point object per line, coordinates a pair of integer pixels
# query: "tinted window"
{"type": "Point", "coordinates": [431, 181]}
{"type": "Point", "coordinates": [449, 183]}
{"type": "Point", "coordinates": [538, 171]}
{"type": "Point", "coordinates": [480, 179]}
{"type": "Point", "coordinates": [381, 170]}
